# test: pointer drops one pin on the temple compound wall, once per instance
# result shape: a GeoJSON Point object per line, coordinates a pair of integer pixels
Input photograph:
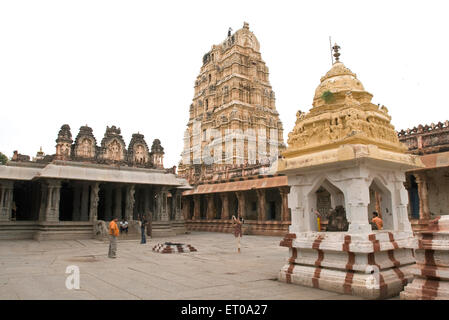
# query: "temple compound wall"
{"type": "Point", "coordinates": [232, 143]}
{"type": "Point", "coordinates": [72, 193]}
{"type": "Point", "coordinates": [428, 188]}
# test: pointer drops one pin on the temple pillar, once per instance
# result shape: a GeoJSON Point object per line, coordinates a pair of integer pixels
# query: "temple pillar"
{"type": "Point", "coordinates": [84, 212]}
{"type": "Point", "coordinates": [6, 197]}
{"type": "Point", "coordinates": [421, 180]}
{"type": "Point", "coordinates": [164, 208]}
{"type": "Point", "coordinates": [108, 203]}
{"type": "Point", "coordinates": [242, 204]}
{"type": "Point", "coordinates": [261, 200]}
{"type": "Point", "coordinates": [76, 216]}
{"type": "Point", "coordinates": [130, 190]}
{"type": "Point", "coordinates": [94, 198]}
{"type": "Point", "coordinates": [50, 200]}
{"type": "Point", "coordinates": [210, 214]}
{"type": "Point", "coordinates": [177, 205]}
{"type": "Point", "coordinates": [186, 208]}
{"type": "Point", "coordinates": [357, 206]}
{"type": "Point", "coordinates": [118, 202]}
{"type": "Point", "coordinates": [284, 191]}
{"type": "Point", "coordinates": [224, 206]}
{"type": "Point", "coordinates": [196, 207]}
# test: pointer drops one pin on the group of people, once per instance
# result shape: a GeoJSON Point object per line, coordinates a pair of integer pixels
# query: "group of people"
{"type": "Point", "coordinates": [114, 232]}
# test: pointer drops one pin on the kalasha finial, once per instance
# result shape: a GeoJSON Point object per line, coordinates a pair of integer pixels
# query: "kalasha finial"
{"type": "Point", "coordinates": [336, 47]}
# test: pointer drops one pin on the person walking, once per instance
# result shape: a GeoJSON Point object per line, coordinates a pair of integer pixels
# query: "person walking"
{"type": "Point", "coordinates": [113, 234]}
{"type": "Point", "coordinates": [237, 224]}
{"type": "Point", "coordinates": [143, 223]}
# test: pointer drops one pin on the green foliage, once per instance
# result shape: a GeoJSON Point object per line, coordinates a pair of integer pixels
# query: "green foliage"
{"type": "Point", "coordinates": [327, 96]}
{"type": "Point", "coordinates": [3, 158]}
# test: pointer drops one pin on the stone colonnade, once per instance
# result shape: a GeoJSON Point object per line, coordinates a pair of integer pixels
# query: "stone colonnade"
{"type": "Point", "coordinates": [118, 200]}
{"type": "Point", "coordinates": [249, 206]}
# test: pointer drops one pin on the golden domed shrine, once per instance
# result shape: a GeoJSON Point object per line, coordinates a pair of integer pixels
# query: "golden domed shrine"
{"type": "Point", "coordinates": [345, 152]}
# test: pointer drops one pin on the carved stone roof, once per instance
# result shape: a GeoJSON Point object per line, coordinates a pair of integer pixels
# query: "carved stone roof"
{"type": "Point", "coordinates": [64, 134]}
{"type": "Point", "coordinates": [156, 147]}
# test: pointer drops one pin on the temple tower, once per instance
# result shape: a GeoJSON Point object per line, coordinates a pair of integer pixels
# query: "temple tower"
{"type": "Point", "coordinates": [232, 118]}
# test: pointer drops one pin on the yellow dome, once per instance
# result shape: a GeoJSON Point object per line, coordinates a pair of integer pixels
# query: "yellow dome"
{"type": "Point", "coordinates": [337, 79]}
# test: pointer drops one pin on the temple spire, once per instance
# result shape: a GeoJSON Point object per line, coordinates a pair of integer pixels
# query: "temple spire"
{"type": "Point", "coordinates": [336, 47]}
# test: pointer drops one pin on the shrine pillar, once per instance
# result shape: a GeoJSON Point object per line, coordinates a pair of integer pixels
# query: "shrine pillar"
{"type": "Point", "coordinates": [6, 197]}
{"type": "Point", "coordinates": [130, 190]}
{"type": "Point", "coordinates": [421, 180]}
{"type": "Point", "coordinates": [94, 198]}
{"type": "Point", "coordinates": [242, 203]}
{"type": "Point", "coordinates": [261, 199]}
{"type": "Point", "coordinates": [210, 214]}
{"type": "Point", "coordinates": [50, 201]}
{"type": "Point", "coordinates": [84, 205]}
{"type": "Point", "coordinates": [224, 206]}
{"type": "Point", "coordinates": [196, 207]}
{"type": "Point", "coordinates": [285, 216]}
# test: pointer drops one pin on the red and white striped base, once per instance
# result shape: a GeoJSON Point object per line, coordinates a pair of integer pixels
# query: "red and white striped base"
{"type": "Point", "coordinates": [374, 266]}
{"type": "Point", "coordinates": [431, 281]}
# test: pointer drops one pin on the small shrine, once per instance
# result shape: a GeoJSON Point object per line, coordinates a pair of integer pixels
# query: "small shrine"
{"type": "Point", "coordinates": [346, 154]}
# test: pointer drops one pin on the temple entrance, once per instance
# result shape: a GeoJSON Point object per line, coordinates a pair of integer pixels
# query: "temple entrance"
{"type": "Point", "coordinates": [26, 201]}
{"type": "Point", "coordinates": [380, 201]}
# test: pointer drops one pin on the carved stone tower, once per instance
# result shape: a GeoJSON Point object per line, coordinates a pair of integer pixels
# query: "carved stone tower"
{"type": "Point", "coordinates": [233, 109]}
{"type": "Point", "coordinates": [64, 143]}
{"type": "Point", "coordinates": [157, 153]}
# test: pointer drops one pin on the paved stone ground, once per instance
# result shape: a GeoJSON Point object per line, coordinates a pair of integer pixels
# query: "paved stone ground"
{"type": "Point", "coordinates": [36, 270]}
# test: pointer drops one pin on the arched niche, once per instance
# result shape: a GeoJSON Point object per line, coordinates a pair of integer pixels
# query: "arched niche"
{"type": "Point", "coordinates": [380, 201]}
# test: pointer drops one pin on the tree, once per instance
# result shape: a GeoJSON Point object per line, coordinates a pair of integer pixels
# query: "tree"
{"type": "Point", "coordinates": [3, 158]}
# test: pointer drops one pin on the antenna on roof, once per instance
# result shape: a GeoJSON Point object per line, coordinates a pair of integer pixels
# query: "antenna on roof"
{"type": "Point", "coordinates": [330, 48]}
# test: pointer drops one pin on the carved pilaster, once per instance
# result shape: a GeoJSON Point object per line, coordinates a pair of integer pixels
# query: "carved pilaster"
{"type": "Point", "coordinates": [186, 208]}
{"type": "Point", "coordinates": [177, 205]}
{"type": "Point", "coordinates": [6, 196]}
{"type": "Point", "coordinates": [118, 202]}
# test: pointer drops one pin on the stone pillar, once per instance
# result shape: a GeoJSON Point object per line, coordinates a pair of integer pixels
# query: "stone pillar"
{"type": "Point", "coordinates": [51, 197]}
{"type": "Point", "coordinates": [357, 206]}
{"type": "Point", "coordinates": [163, 205]}
{"type": "Point", "coordinates": [177, 205]}
{"type": "Point", "coordinates": [108, 203]}
{"type": "Point", "coordinates": [196, 207]}
{"type": "Point", "coordinates": [118, 202]}
{"type": "Point", "coordinates": [242, 204]}
{"type": "Point", "coordinates": [6, 197]}
{"type": "Point", "coordinates": [94, 198]}
{"type": "Point", "coordinates": [186, 208]}
{"type": "Point", "coordinates": [76, 215]}
{"type": "Point", "coordinates": [130, 190]}
{"type": "Point", "coordinates": [210, 214]}
{"type": "Point", "coordinates": [84, 202]}
{"type": "Point", "coordinates": [421, 180]}
{"type": "Point", "coordinates": [284, 191]}
{"type": "Point", "coordinates": [262, 202]}
{"type": "Point", "coordinates": [224, 206]}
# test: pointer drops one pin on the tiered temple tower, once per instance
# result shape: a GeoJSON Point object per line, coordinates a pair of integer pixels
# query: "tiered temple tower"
{"type": "Point", "coordinates": [233, 118]}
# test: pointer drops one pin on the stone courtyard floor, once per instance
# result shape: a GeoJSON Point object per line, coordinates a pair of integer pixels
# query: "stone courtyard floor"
{"type": "Point", "coordinates": [36, 270]}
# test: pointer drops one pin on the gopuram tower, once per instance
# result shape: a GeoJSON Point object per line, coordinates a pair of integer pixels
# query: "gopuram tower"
{"type": "Point", "coordinates": [232, 119]}
{"type": "Point", "coordinates": [346, 147]}
{"type": "Point", "coordinates": [234, 133]}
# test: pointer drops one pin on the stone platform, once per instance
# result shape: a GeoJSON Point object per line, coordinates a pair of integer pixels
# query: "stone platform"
{"type": "Point", "coordinates": [432, 263]}
{"type": "Point", "coordinates": [373, 266]}
{"type": "Point", "coordinates": [250, 227]}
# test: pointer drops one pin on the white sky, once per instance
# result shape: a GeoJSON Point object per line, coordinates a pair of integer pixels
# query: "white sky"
{"type": "Point", "coordinates": [133, 63]}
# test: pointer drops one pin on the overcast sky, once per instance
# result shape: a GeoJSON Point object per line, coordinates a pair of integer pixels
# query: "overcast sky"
{"type": "Point", "coordinates": [133, 63]}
